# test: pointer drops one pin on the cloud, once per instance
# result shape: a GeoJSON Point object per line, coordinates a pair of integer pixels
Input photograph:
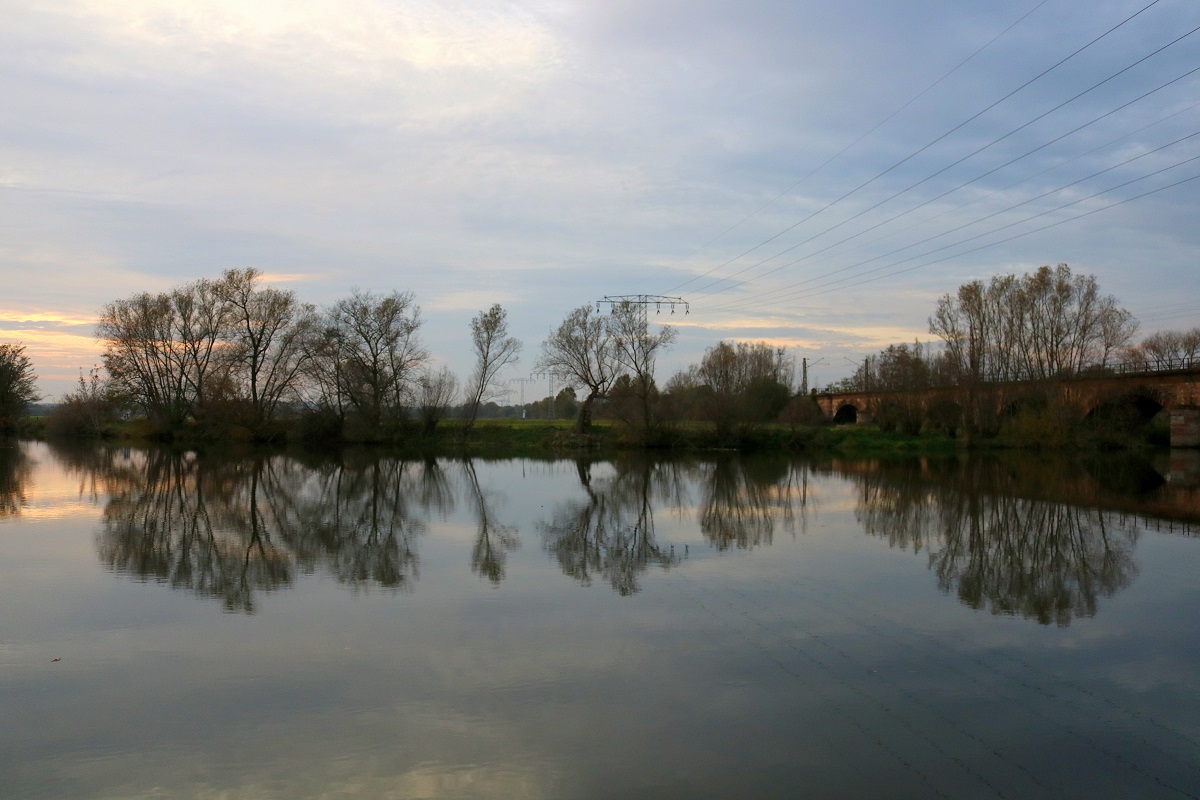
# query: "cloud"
{"type": "Point", "coordinates": [543, 155]}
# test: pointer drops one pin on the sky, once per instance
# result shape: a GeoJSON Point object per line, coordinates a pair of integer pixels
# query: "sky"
{"type": "Point", "coordinates": [811, 174]}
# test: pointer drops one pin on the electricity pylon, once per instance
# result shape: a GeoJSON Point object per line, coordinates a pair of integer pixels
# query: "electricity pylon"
{"type": "Point", "coordinates": [522, 381]}
{"type": "Point", "coordinates": [644, 301]}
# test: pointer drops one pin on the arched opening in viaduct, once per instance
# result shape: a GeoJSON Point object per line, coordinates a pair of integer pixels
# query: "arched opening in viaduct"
{"type": "Point", "coordinates": [846, 414]}
{"type": "Point", "coordinates": [1137, 407]}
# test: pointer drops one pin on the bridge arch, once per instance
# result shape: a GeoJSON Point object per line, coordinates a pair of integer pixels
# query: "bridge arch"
{"type": "Point", "coordinates": [846, 414]}
{"type": "Point", "coordinates": [1141, 404]}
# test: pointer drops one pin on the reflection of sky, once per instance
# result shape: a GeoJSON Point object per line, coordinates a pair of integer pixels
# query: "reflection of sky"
{"type": "Point", "coordinates": [731, 673]}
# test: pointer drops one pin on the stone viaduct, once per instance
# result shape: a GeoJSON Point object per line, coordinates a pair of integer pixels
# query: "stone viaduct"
{"type": "Point", "coordinates": [1175, 391]}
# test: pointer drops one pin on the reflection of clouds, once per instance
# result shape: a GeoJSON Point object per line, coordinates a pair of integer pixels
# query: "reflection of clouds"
{"type": "Point", "coordinates": [431, 751]}
{"type": "Point", "coordinates": [491, 780]}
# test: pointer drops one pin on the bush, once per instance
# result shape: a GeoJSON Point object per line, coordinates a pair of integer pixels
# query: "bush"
{"type": "Point", "coordinates": [902, 417]}
{"type": "Point", "coordinates": [945, 417]}
{"type": "Point", "coordinates": [89, 411]}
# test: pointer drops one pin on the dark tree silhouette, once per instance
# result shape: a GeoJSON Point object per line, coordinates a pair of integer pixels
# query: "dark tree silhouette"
{"type": "Point", "coordinates": [17, 385]}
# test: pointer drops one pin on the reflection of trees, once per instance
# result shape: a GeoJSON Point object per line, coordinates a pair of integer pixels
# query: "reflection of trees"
{"type": "Point", "coordinates": [15, 467]}
{"type": "Point", "coordinates": [494, 540]}
{"type": "Point", "coordinates": [1044, 560]}
{"type": "Point", "coordinates": [227, 528]}
{"type": "Point", "coordinates": [173, 518]}
{"type": "Point", "coordinates": [744, 500]}
{"type": "Point", "coordinates": [358, 518]}
{"type": "Point", "coordinates": [610, 531]}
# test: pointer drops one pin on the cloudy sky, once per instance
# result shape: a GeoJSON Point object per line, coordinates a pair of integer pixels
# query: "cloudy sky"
{"type": "Point", "coordinates": [808, 173]}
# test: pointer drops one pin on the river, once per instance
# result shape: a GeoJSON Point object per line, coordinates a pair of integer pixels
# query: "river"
{"type": "Point", "coordinates": [362, 625]}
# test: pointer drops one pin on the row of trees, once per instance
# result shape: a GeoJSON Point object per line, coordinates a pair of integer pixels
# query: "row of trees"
{"type": "Point", "coordinates": [232, 350]}
{"type": "Point", "coordinates": [1041, 325]}
{"type": "Point", "coordinates": [1034, 326]}
{"type": "Point", "coordinates": [237, 351]}
{"type": "Point", "coordinates": [1166, 350]}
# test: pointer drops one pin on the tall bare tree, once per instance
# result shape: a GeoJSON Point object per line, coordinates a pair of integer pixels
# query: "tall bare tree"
{"type": "Point", "coordinates": [268, 330]}
{"type": "Point", "coordinates": [203, 329]}
{"type": "Point", "coordinates": [494, 350]}
{"type": "Point", "coordinates": [581, 351]}
{"type": "Point", "coordinates": [146, 358]}
{"type": "Point", "coordinates": [636, 349]}
{"type": "Point", "coordinates": [1036, 326]}
{"type": "Point", "coordinates": [376, 351]}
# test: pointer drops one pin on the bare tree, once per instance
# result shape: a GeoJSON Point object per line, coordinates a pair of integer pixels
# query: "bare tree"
{"type": "Point", "coordinates": [1036, 326]}
{"type": "Point", "coordinates": [203, 329]}
{"type": "Point", "coordinates": [436, 391]}
{"type": "Point", "coordinates": [375, 351]}
{"type": "Point", "coordinates": [146, 358]}
{"type": "Point", "coordinates": [1166, 349]}
{"type": "Point", "coordinates": [636, 349]}
{"type": "Point", "coordinates": [268, 328]}
{"type": "Point", "coordinates": [1117, 327]}
{"type": "Point", "coordinates": [494, 350]}
{"type": "Point", "coordinates": [581, 351]}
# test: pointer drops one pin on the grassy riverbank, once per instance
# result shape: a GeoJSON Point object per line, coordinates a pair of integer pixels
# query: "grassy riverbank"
{"type": "Point", "coordinates": [549, 436]}
{"type": "Point", "coordinates": [520, 436]}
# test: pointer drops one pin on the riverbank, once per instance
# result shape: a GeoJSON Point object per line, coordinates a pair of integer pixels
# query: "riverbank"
{"type": "Point", "coordinates": [519, 437]}
{"type": "Point", "coordinates": [529, 436]}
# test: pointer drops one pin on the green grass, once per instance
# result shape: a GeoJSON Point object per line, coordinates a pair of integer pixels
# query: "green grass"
{"type": "Point", "coordinates": [536, 436]}
{"type": "Point", "coordinates": [523, 435]}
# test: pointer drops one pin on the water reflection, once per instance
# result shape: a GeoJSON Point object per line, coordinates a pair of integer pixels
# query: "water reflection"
{"type": "Point", "coordinates": [1043, 539]}
{"type": "Point", "coordinates": [995, 546]}
{"type": "Point", "coordinates": [193, 525]}
{"type": "Point", "coordinates": [744, 501]}
{"type": "Point", "coordinates": [609, 531]}
{"type": "Point", "coordinates": [358, 518]}
{"type": "Point", "coordinates": [15, 468]}
{"type": "Point", "coordinates": [493, 540]}
{"type": "Point", "coordinates": [227, 528]}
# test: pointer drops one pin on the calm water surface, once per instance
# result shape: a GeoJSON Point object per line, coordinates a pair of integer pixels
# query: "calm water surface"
{"type": "Point", "coordinates": [365, 626]}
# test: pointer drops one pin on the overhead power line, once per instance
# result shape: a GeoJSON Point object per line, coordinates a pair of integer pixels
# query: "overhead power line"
{"type": "Point", "coordinates": [823, 290]}
{"type": "Point", "coordinates": [955, 163]}
{"type": "Point", "coordinates": [935, 141]}
{"type": "Point", "coordinates": [849, 146]}
{"type": "Point", "coordinates": [775, 294]}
